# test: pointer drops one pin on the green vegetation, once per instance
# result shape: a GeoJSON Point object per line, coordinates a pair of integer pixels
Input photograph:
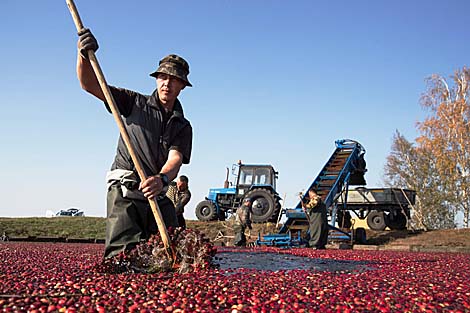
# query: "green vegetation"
{"type": "Point", "coordinates": [94, 227]}
{"type": "Point", "coordinates": [67, 227]}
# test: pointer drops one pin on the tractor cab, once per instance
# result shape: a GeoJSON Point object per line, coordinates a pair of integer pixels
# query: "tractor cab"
{"type": "Point", "coordinates": [253, 176]}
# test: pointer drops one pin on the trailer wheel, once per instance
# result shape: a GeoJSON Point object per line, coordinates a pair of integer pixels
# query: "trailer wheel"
{"type": "Point", "coordinates": [206, 211]}
{"type": "Point", "coordinates": [396, 221]}
{"type": "Point", "coordinates": [360, 236]}
{"type": "Point", "coordinates": [265, 205]}
{"type": "Point", "coordinates": [376, 220]}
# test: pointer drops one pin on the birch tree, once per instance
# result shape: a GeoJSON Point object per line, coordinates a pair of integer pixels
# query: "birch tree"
{"type": "Point", "coordinates": [446, 133]}
{"type": "Point", "coordinates": [412, 167]}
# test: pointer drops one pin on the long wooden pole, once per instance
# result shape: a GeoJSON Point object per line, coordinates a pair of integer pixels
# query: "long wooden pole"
{"type": "Point", "coordinates": [125, 136]}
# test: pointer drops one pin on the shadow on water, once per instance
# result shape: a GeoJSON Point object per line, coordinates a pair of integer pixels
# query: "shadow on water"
{"type": "Point", "coordinates": [267, 261]}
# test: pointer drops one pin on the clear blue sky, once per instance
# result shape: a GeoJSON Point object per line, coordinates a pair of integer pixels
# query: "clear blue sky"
{"type": "Point", "coordinates": [274, 82]}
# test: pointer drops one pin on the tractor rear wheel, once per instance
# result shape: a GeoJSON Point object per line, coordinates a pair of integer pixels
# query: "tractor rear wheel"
{"type": "Point", "coordinates": [265, 205]}
{"type": "Point", "coordinates": [376, 220]}
{"type": "Point", "coordinates": [206, 211]}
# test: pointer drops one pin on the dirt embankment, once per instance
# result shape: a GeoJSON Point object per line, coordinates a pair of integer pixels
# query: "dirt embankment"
{"type": "Point", "coordinates": [451, 240]}
{"type": "Point", "coordinates": [221, 233]}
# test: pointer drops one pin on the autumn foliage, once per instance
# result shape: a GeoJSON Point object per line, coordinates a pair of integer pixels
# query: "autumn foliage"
{"type": "Point", "coordinates": [437, 164]}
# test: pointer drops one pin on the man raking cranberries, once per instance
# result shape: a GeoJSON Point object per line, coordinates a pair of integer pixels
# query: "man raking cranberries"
{"type": "Point", "coordinates": [155, 140]}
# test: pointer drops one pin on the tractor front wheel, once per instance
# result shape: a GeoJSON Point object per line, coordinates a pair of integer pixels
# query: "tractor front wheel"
{"type": "Point", "coordinates": [206, 211]}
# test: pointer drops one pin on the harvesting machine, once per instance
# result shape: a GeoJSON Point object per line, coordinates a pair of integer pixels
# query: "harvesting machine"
{"type": "Point", "coordinates": [345, 167]}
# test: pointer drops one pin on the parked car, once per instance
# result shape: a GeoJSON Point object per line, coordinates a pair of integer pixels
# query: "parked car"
{"type": "Point", "coordinates": [70, 212]}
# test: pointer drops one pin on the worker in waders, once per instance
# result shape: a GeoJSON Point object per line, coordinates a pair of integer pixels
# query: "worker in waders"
{"type": "Point", "coordinates": [315, 209]}
{"type": "Point", "coordinates": [162, 138]}
{"type": "Point", "coordinates": [178, 192]}
{"type": "Point", "coordinates": [242, 221]}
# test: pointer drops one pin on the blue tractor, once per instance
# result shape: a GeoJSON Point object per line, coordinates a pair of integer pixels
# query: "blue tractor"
{"type": "Point", "coordinates": [257, 182]}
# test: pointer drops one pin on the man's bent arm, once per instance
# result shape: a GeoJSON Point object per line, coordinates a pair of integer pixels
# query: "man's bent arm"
{"type": "Point", "coordinates": [87, 78]}
{"type": "Point", "coordinates": [173, 164]}
{"type": "Point", "coordinates": [152, 186]}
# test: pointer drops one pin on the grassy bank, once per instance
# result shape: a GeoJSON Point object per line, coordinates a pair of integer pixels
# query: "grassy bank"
{"type": "Point", "coordinates": [67, 227]}
{"type": "Point", "coordinates": [94, 227]}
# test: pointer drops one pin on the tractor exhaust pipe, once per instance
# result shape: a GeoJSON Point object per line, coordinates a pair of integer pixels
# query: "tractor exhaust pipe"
{"type": "Point", "coordinates": [226, 179]}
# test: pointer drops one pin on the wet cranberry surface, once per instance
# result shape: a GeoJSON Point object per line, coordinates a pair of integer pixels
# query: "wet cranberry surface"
{"type": "Point", "coordinates": [62, 277]}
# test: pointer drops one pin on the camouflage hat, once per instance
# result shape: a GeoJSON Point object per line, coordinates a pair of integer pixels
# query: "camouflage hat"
{"type": "Point", "coordinates": [173, 65]}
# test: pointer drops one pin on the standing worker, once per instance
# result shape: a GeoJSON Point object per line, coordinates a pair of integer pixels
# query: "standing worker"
{"type": "Point", "coordinates": [242, 221]}
{"type": "Point", "coordinates": [315, 209]}
{"type": "Point", "coordinates": [162, 139]}
{"type": "Point", "coordinates": [180, 195]}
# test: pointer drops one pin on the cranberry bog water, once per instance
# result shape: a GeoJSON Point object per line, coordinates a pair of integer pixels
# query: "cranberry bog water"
{"type": "Point", "coordinates": [63, 277]}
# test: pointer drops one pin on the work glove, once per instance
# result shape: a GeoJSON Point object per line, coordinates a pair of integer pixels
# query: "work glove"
{"type": "Point", "coordinates": [86, 41]}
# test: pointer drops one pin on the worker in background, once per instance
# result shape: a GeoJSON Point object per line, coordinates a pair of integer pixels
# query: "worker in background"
{"type": "Point", "coordinates": [179, 194]}
{"type": "Point", "coordinates": [317, 217]}
{"type": "Point", "coordinates": [242, 221]}
{"type": "Point", "coordinates": [161, 137]}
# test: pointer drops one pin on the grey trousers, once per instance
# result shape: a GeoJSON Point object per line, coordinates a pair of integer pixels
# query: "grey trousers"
{"type": "Point", "coordinates": [318, 228]}
{"type": "Point", "coordinates": [240, 238]}
{"type": "Point", "coordinates": [130, 221]}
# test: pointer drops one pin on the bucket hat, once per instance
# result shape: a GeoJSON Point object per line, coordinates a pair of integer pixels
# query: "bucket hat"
{"type": "Point", "coordinates": [173, 65]}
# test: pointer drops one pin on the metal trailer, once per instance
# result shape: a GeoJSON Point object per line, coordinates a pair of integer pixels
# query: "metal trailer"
{"type": "Point", "coordinates": [381, 207]}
